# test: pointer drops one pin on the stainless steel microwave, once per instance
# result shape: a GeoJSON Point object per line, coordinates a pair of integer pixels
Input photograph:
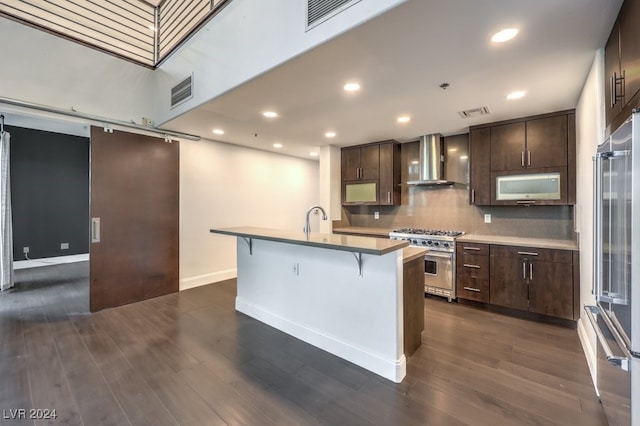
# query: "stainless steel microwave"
{"type": "Point", "coordinates": [539, 186]}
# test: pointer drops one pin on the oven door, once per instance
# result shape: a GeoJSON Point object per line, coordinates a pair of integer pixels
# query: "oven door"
{"type": "Point", "coordinates": [438, 273]}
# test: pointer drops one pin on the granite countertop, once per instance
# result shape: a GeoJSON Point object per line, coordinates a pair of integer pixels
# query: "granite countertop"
{"type": "Point", "coordinates": [357, 244]}
{"type": "Point", "coordinates": [377, 232]}
{"type": "Point", "coordinates": [542, 243]}
{"type": "Point", "coordinates": [412, 253]}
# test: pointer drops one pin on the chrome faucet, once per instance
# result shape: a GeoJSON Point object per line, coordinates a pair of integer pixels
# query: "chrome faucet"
{"type": "Point", "coordinates": [307, 227]}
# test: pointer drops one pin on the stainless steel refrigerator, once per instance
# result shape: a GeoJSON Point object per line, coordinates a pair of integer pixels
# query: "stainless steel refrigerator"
{"type": "Point", "coordinates": [616, 316]}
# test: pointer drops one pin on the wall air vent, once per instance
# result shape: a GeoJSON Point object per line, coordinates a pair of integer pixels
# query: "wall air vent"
{"type": "Point", "coordinates": [474, 112]}
{"type": "Point", "coordinates": [319, 11]}
{"type": "Point", "coordinates": [182, 91]}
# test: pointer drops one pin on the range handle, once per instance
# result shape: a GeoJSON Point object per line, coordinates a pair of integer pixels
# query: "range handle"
{"type": "Point", "coordinates": [617, 361]}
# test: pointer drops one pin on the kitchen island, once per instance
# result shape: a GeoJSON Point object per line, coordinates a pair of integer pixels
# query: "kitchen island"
{"type": "Point", "coordinates": [341, 293]}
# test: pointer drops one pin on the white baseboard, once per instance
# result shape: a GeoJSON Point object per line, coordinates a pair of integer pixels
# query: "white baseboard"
{"type": "Point", "coordinates": [48, 261]}
{"type": "Point", "coordinates": [394, 370]}
{"type": "Point", "coordinates": [214, 277]}
{"type": "Point", "coordinates": [589, 350]}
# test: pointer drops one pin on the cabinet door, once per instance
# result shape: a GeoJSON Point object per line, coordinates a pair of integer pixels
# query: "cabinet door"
{"type": "Point", "coordinates": [508, 286]}
{"type": "Point", "coordinates": [551, 288]}
{"type": "Point", "coordinates": [389, 174]}
{"type": "Point", "coordinates": [370, 162]}
{"type": "Point", "coordinates": [611, 66]}
{"type": "Point", "coordinates": [630, 47]}
{"type": "Point", "coordinates": [546, 142]}
{"type": "Point", "coordinates": [480, 155]}
{"type": "Point", "coordinates": [508, 146]}
{"type": "Point", "coordinates": [350, 163]}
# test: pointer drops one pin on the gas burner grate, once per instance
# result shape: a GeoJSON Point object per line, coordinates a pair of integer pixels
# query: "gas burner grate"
{"type": "Point", "coordinates": [431, 232]}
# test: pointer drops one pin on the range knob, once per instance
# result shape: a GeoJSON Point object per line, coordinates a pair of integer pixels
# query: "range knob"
{"type": "Point", "coordinates": [423, 242]}
{"type": "Point", "coordinates": [429, 242]}
{"type": "Point", "coordinates": [413, 241]}
{"type": "Point", "coordinates": [445, 245]}
{"type": "Point", "coordinates": [436, 244]}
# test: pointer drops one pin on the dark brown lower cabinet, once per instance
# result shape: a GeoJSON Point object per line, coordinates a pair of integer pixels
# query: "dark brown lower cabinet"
{"type": "Point", "coordinates": [508, 288]}
{"type": "Point", "coordinates": [540, 281]}
{"type": "Point", "coordinates": [472, 272]}
{"type": "Point", "coordinates": [413, 304]}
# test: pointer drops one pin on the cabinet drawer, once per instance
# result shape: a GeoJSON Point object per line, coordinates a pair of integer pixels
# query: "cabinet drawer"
{"type": "Point", "coordinates": [474, 266]}
{"type": "Point", "coordinates": [532, 253]}
{"type": "Point", "coordinates": [472, 248]}
{"type": "Point", "coordinates": [473, 289]}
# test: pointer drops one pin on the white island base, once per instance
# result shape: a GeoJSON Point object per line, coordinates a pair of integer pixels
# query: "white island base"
{"type": "Point", "coordinates": [317, 295]}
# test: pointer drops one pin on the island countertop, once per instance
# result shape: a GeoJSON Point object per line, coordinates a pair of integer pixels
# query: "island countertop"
{"type": "Point", "coordinates": [357, 244]}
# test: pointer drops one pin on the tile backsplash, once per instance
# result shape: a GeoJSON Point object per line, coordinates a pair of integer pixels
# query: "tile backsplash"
{"type": "Point", "coordinates": [448, 208]}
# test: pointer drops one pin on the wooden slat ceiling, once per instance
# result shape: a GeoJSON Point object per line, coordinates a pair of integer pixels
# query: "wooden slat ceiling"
{"type": "Point", "coordinates": [125, 28]}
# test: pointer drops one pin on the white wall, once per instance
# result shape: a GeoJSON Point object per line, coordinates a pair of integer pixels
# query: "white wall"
{"type": "Point", "coordinates": [590, 118]}
{"type": "Point", "coordinates": [40, 68]}
{"type": "Point", "coordinates": [246, 39]}
{"type": "Point", "coordinates": [224, 185]}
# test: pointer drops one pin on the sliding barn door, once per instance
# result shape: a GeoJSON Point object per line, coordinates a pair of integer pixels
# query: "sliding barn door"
{"type": "Point", "coordinates": [134, 218]}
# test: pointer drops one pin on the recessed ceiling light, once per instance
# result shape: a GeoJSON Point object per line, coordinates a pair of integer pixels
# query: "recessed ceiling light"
{"type": "Point", "coordinates": [404, 119]}
{"type": "Point", "coordinates": [313, 154]}
{"type": "Point", "coordinates": [352, 87]}
{"type": "Point", "coordinates": [516, 95]}
{"type": "Point", "coordinates": [270, 114]}
{"type": "Point", "coordinates": [504, 35]}
{"type": "Point", "coordinates": [330, 134]}
{"type": "Point", "coordinates": [277, 145]}
{"type": "Point", "coordinates": [218, 131]}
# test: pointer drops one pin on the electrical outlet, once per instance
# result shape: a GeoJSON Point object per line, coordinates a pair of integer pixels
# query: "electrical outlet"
{"type": "Point", "coordinates": [487, 218]}
{"type": "Point", "coordinates": [25, 250]}
{"type": "Point", "coordinates": [376, 215]}
{"type": "Point", "coordinates": [64, 246]}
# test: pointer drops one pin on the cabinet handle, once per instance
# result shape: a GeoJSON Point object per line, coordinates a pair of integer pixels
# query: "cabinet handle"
{"type": "Point", "coordinates": [522, 158]}
{"type": "Point", "coordinates": [95, 229]}
{"type": "Point", "coordinates": [531, 271]}
{"type": "Point", "coordinates": [477, 290]}
{"type": "Point", "coordinates": [473, 196]}
{"type": "Point", "coordinates": [466, 265]}
{"type": "Point", "coordinates": [470, 248]}
{"type": "Point", "coordinates": [525, 202]}
{"type": "Point", "coordinates": [528, 253]}
{"type": "Point", "coordinates": [524, 270]}
{"type": "Point", "coordinates": [613, 90]}
{"type": "Point", "coordinates": [388, 197]}
{"type": "Point", "coordinates": [528, 158]}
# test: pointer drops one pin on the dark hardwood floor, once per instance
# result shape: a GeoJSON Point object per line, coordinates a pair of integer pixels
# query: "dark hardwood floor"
{"type": "Point", "coordinates": [189, 358]}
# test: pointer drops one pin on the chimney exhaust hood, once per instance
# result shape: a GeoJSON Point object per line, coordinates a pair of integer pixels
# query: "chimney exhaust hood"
{"type": "Point", "coordinates": [434, 160]}
{"type": "Point", "coordinates": [426, 161]}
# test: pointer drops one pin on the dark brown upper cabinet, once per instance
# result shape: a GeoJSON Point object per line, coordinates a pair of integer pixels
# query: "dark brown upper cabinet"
{"type": "Point", "coordinates": [371, 174]}
{"type": "Point", "coordinates": [525, 146]}
{"type": "Point", "coordinates": [361, 163]}
{"type": "Point", "coordinates": [480, 170]}
{"type": "Point", "coordinates": [534, 143]}
{"type": "Point", "coordinates": [622, 66]}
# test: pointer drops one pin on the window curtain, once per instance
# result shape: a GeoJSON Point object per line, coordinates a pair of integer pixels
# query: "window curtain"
{"type": "Point", "coordinates": [6, 234]}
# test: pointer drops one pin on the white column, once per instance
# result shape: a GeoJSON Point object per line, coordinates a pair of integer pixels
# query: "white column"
{"type": "Point", "coordinates": [330, 185]}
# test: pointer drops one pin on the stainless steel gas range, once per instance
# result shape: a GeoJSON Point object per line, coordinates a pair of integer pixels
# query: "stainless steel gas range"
{"type": "Point", "coordinates": [440, 259]}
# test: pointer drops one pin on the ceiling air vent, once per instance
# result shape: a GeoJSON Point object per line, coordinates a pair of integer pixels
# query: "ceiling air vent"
{"type": "Point", "coordinates": [474, 112]}
{"type": "Point", "coordinates": [182, 91]}
{"type": "Point", "coordinates": [320, 10]}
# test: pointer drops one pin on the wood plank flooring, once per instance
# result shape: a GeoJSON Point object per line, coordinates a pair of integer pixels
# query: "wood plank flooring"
{"type": "Point", "coordinates": [190, 359]}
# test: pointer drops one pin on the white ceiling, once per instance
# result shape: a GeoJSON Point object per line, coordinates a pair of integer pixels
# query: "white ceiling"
{"type": "Point", "coordinates": [400, 59]}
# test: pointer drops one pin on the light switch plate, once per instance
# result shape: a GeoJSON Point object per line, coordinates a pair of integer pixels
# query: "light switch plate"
{"type": "Point", "coordinates": [64, 246]}
{"type": "Point", "coordinates": [376, 215]}
{"type": "Point", "coordinates": [487, 218]}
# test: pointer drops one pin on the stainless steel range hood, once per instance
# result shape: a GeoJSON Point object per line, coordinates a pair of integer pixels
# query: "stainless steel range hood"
{"type": "Point", "coordinates": [436, 161]}
{"type": "Point", "coordinates": [426, 166]}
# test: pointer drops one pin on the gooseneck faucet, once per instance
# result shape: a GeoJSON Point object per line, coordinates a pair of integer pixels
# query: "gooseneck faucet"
{"type": "Point", "coordinates": [307, 227]}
